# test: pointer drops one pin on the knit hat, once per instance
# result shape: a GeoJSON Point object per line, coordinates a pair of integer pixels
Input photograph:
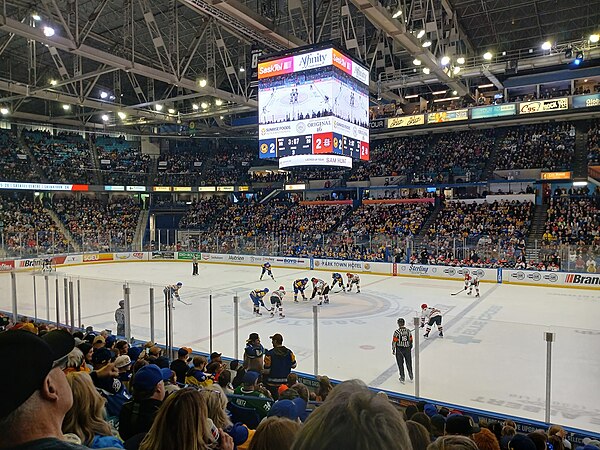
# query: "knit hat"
{"type": "Point", "coordinates": [463, 425]}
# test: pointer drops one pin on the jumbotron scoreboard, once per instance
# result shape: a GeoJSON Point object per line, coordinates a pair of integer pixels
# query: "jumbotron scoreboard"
{"type": "Point", "coordinates": [313, 109]}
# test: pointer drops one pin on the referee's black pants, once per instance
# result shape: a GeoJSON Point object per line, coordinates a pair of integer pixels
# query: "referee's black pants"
{"type": "Point", "coordinates": [403, 356]}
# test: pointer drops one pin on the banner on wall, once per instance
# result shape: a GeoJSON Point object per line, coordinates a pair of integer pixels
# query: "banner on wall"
{"type": "Point", "coordinates": [485, 112]}
{"type": "Point", "coordinates": [406, 121]}
{"type": "Point", "coordinates": [189, 255]}
{"type": "Point", "coordinates": [163, 255]}
{"type": "Point", "coordinates": [6, 266]}
{"type": "Point", "coordinates": [555, 104]}
{"type": "Point", "coordinates": [448, 116]}
{"type": "Point", "coordinates": [135, 256]}
{"type": "Point", "coordinates": [91, 257]}
{"type": "Point", "coordinates": [586, 101]}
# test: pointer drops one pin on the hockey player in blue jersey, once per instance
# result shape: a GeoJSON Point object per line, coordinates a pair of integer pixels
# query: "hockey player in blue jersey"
{"type": "Point", "coordinates": [266, 268]}
{"type": "Point", "coordinates": [300, 286]}
{"type": "Point", "coordinates": [257, 296]}
{"type": "Point", "coordinates": [338, 280]}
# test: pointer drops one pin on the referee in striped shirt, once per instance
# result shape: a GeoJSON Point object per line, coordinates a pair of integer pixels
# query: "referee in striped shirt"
{"type": "Point", "coordinates": [402, 344]}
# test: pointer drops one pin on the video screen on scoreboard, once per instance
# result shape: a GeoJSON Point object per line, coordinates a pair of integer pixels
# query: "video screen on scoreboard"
{"type": "Point", "coordinates": [313, 103]}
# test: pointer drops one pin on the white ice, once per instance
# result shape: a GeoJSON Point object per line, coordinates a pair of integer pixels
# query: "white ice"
{"type": "Point", "coordinates": [493, 355]}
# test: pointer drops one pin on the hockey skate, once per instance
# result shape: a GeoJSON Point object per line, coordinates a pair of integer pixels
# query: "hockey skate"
{"type": "Point", "coordinates": [296, 301]}
{"type": "Point", "coordinates": [281, 316]}
{"type": "Point", "coordinates": [358, 291]}
{"type": "Point", "coordinates": [476, 296]}
{"type": "Point", "coordinates": [319, 304]}
{"type": "Point", "coordinates": [326, 301]}
{"type": "Point", "coordinates": [401, 380]}
{"type": "Point", "coordinates": [441, 334]}
{"type": "Point", "coordinates": [426, 335]}
{"type": "Point", "coordinates": [272, 314]}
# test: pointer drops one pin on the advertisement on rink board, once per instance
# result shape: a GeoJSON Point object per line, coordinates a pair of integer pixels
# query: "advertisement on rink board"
{"type": "Point", "coordinates": [584, 280]}
{"type": "Point", "coordinates": [163, 255]}
{"type": "Point", "coordinates": [333, 264]}
{"type": "Point", "coordinates": [6, 266]}
{"type": "Point", "coordinates": [189, 255]}
{"type": "Point", "coordinates": [424, 270]}
{"type": "Point", "coordinates": [135, 256]}
{"type": "Point", "coordinates": [92, 257]}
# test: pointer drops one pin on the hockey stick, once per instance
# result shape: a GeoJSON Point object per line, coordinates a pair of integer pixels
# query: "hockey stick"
{"type": "Point", "coordinates": [456, 293]}
{"type": "Point", "coordinates": [265, 306]}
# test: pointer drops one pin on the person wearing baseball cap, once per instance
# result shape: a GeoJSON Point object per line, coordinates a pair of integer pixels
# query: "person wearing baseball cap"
{"type": "Point", "coordinates": [279, 362]}
{"type": "Point", "coordinates": [461, 425]}
{"type": "Point", "coordinates": [34, 393]}
{"type": "Point", "coordinates": [137, 415]}
{"type": "Point", "coordinates": [254, 354]}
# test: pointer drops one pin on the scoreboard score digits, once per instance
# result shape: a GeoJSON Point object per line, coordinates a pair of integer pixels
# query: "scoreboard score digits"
{"type": "Point", "coordinates": [313, 103]}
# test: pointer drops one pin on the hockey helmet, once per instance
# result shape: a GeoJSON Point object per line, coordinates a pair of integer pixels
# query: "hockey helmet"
{"type": "Point", "coordinates": [266, 289]}
{"type": "Point", "coordinates": [179, 283]}
{"type": "Point", "coordinates": [424, 306]}
{"type": "Point", "coordinates": [306, 280]}
{"type": "Point", "coordinates": [348, 274]}
{"type": "Point", "coordinates": [121, 302]}
{"type": "Point", "coordinates": [314, 280]}
{"type": "Point", "coordinates": [281, 288]}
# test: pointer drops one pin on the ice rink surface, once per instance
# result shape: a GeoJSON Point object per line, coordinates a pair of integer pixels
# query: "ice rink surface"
{"type": "Point", "coordinates": [493, 355]}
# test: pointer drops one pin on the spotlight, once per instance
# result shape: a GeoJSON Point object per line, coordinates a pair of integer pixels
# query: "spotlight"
{"type": "Point", "coordinates": [202, 82]}
{"type": "Point", "coordinates": [421, 34]}
{"type": "Point", "coordinates": [487, 56]}
{"type": "Point", "coordinates": [454, 92]}
{"type": "Point", "coordinates": [445, 60]}
{"type": "Point", "coordinates": [158, 107]}
{"type": "Point", "coordinates": [171, 111]}
{"type": "Point", "coordinates": [103, 94]}
{"type": "Point", "coordinates": [547, 45]}
{"type": "Point", "coordinates": [112, 97]}
{"type": "Point", "coordinates": [66, 107]}
{"type": "Point", "coordinates": [460, 60]}
{"type": "Point", "coordinates": [195, 106]}
{"type": "Point", "coordinates": [204, 105]}
{"type": "Point", "coordinates": [397, 14]}
{"type": "Point", "coordinates": [426, 70]}
{"type": "Point", "coordinates": [578, 58]}
{"type": "Point", "coordinates": [105, 117]}
{"type": "Point", "coordinates": [121, 115]}
{"type": "Point", "coordinates": [594, 38]}
{"type": "Point", "coordinates": [426, 44]}
{"type": "Point", "coordinates": [455, 70]}
{"type": "Point", "coordinates": [218, 102]}
{"type": "Point", "coordinates": [36, 17]}
{"type": "Point", "coordinates": [242, 69]}
{"type": "Point", "coordinates": [417, 62]}
{"type": "Point", "coordinates": [221, 117]}
{"type": "Point", "coordinates": [48, 31]}
{"type": "Point", "coordinates": [4, 111]}
{"type": "Point", "coordinates": [53, 82]}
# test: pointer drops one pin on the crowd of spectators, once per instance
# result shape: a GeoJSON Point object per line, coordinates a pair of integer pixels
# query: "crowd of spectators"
{"type": "Point", "coordinates": [98, 224]}
{"type": "Point", "coordinates": [203, 212]}
{"type": "Point", "coordinates": [548, 146]}
{"type": "Point", "coordinates": [64, 157]}
{"type": "Point", "coordinates": [14, 162]}
{"type": "Point", "coordinates": [593, 145]}
{"type": "Point", "coordinates": [27, 229]}
{"type": "Point", "coordinates": [120, 163]}
{"type": "Point", "coordinates": [94, 390]}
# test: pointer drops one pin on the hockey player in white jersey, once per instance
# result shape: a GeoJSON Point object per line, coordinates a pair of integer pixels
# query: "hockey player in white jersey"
{"type": "Point", "coordinates": [322, 289]}
{"type": "Point", "coordinates": [353, 279]}
{"type": "Point", "coordinates": [473, 283]}
{"type": "Point", "coordinates": [433, 316]}
{"type": "Point", "coordinates": [172, 292]}
{"type": "Point", "coordinates": [276, 301]}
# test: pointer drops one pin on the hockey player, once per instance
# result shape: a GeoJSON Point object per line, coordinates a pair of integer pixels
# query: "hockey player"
{"type": "Point", "coordinates": [257, 298]}
{"type": "Point", "coordinates": [321, 288]}
{"type": "Point", "coordinates": [433, 315]}
{"type": "Point", "coordinates": [300, 286]}
{"type": "Point", "coordinates": [276, 300]}
{"type": "Point", "coordinates": [338, 280]}
{"type": "Point", "coordinates": [47, 265]}
{"type": "Point", "coordinates": [266, 268]}
{"type": "Point", "coordinates": [172, 291]}
{"type": "Point", "coordinates": [467, 280]}
{"type": "Point", "coordinates": [353, 279]}
{"type": "Point", "coordinates": [473, 283]}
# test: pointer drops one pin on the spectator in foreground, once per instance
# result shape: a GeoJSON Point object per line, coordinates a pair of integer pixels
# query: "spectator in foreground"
{"type": "Point", "coordinates": [183, 423]}
{"type": "Point", "coordinates": [461, 425]}
{"type": "Point", "coordinates": [453, 443]}
{"type": "Point", "coordinates": [34, 385]}
{"type": "Point", "coordinates": [419, 436]}
{"type": "Point", "coordinates": [250, 388]}
{"type": "Point", "coordinates": [85, 419]}
{"type": "Point", "coordinates": [216, 404]}
{"type": "Point", "coordinates": [279, 362]}
{"type": "Point", "coordinates": [275, 433]}
{"type": "Point", "coordinates": [180, 365]}
{"type": "Point", "coordinates": [254, 354]}
{"type": "Point", "coordinates": [486, 440]}
{"type": "Point", "coordinates": [353, 417]}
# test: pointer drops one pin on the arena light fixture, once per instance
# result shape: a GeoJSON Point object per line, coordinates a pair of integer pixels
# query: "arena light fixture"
{"type": "Point", "coordinates": [426, 44]}
{"type": "Point", "coordinates": [438, 92]}
{"type": "Point", "coordinates": [242, 70]}
{"type": "Point", "coordinates": [421, 34]}
{"type": "Point", "coordinates": [547, 45]}
{"type": "Point", "coordinates": [426, 70]}
{"type": "Point", "coordinates": [594, 38]}
{"type": "Point", "coordinates": [66, 107]}
{"type": "Point", "coordinates": [171, 111]}
{"type": "Point", "coordinates": [218, 102]}
{"type": "Point", "coordinates": [4, 111]}
{"type": "Point", "coordinates": [447, 99]}
{"type": "Point", "coordinates": [202, 82]}
{"type": "Point", "coordinates": [456, 70]}
{"type": "Point", "coordinates": [204, 105]}
{"type": "Point", "coordinates": [195, 106]}
{"type": "Point", "coordinates": [48, 31]}
{"type": "Point", "coordinates": [103, 94]}
{"type": "Point", "coordinates": [53, 82]}
{"type": "Point", "coordinates": [417, 62]}
{"type": "Point", "coordinates": [121, 115]}
{"type": "Point", "coordinates": [36, 17]}
{"type": "Point", "coordinates": [578, 58]}
{"type": "Point", "coordinates": [105, 117]}
{"type": "Point", "coordinates": [445, 60]}
{"type": "Point", "coordinates": [488, 56]}
{"type": "Point", "coordinates": [411, 96]}
{"type": "Point", "coordinates": [454, 92]}
{"type": "Point", "coordinates": [482, 86]}
{"type": "Point", "coordinates": [580, 183]}
{"type": "Point", "coordinates": [221, 117]}
{"type": "Point", "coordinates": [397, 14]}
{"type": "Point", "coordinates": [460, 60]}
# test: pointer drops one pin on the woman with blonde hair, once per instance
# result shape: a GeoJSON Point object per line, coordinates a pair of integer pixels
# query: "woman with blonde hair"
{"type": "Point", "coordinates": [85, 419]}
{"type": "Point", "coordinates": [275, 433]}
{"type": "Point", "coordinates": [182, 423]}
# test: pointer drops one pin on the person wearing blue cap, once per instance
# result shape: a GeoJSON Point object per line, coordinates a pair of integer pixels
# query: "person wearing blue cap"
{"type": "Point", "coordinates": [250, 388]}
{"type": "Point", "coordinates": [138, 414]}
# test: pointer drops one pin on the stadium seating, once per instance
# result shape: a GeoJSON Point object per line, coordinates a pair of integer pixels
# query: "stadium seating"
{"type": "Point", "coordinates": [120, 164]}
{"type": "Point", "coordinates": [14, 162]}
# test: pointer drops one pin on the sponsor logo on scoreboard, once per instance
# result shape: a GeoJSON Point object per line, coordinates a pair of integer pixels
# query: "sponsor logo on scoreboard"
{"type": "Point", "coordinates": [276, 67]}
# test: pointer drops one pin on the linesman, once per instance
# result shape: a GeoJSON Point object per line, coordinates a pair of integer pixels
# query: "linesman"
{"type": "Point", "coordinates": [402, 344]}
